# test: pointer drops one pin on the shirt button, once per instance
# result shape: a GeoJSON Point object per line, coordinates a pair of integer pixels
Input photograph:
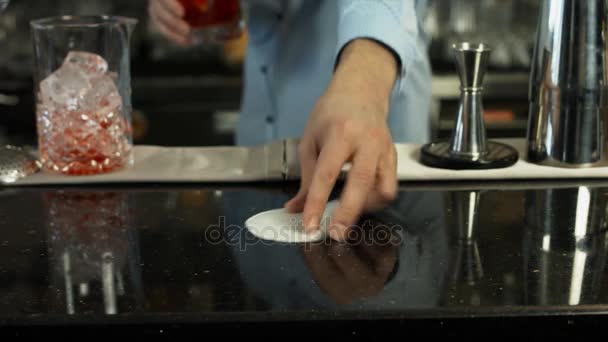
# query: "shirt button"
{"type": "Point", "coordinates": [269, 119]}
{"type": "Point", "coordinates": [264, 69]}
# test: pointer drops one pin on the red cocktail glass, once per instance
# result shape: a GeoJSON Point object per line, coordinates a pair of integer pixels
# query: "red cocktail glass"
{"type": "Point", "coordinates": [214, 20]}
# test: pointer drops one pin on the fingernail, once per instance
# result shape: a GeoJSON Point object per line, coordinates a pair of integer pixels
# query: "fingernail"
{"type": "Point", "coordinates": [311, 233]}
{"type": "Point", "coordinates": [334, 235]}
{"type": "Point", "coordinates": [337, 232]}
{"type": "Point", "coordinates": [312, 224]}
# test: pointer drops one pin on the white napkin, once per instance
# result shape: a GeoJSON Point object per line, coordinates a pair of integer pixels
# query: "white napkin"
{"type": "Point", "coordinates": [279, 225]}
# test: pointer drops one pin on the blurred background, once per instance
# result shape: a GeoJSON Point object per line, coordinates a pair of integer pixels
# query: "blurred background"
{"type": "Point", "coordinates": [191, 96]}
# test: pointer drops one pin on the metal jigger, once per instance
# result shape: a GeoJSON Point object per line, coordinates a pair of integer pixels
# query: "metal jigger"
{"type": "Point", "coordinates": [468, 147]}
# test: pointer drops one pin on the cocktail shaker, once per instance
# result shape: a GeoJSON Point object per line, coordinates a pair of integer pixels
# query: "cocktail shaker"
{"type": "Point", "coordinates": [568, 111]}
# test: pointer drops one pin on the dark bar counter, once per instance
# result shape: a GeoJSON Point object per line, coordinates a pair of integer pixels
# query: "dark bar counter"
{"type": "Point", "coordinates": [173, 260]}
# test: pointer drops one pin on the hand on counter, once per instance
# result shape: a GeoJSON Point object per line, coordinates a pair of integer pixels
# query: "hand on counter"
{"type": "Point", "coordinates": [168, 16]}
{"type": "Point", "coordinates": [349, 123]}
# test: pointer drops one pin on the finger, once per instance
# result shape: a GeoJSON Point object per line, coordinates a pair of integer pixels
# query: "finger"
{"type": "Point", "coordinates": [375, 202]}
{"type": "Point", "coordinates": [359, 184]}
{"type": "Point", "coordinates": [168, 32]}
{"type": "Point", "coordinates": [387, 183]}
{"type": "Point", "coordinates": [387, 175]}
{"type": "Point", "coordinates": [174, 7]}
{"type": "Point", "coordinates": [307, 155]}
{"type": "Point", "coordinates": [326, 172]}
{"type": "Point", "coordinates": [172, 22]}
{"type": "Point", "coordinates": [175, 23]}
{"type": "Point", "coordinates": [296, 204]}
{"type": "Point", "coordinates": [176, 38]}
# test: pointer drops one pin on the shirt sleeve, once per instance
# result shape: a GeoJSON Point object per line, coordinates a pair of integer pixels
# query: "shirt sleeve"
{"type": "Point", "coordinates": [393, 23]}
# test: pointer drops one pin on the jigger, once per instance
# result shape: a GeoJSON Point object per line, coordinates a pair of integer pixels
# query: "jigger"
{"type": "Point", "coordinates": [468, 148]}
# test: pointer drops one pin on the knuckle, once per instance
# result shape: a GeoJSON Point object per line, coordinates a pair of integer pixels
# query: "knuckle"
{"type": "Point", "coordinates": [329, 175]}
{"type": "Point", "coordinates": [364, 177]}
{"type": "Point", "coordinates": [377, 134]}
{"type": "Point", "coordinates": [345, 129]}
{"type": "Point", "coordinates": [348, 127]}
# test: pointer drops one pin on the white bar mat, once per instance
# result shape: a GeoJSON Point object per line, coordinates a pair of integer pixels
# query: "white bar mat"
{"type": "Point", "coordinates": [278, 161]}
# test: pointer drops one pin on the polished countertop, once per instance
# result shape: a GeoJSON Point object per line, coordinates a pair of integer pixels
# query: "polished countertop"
{"type": "Point", "coordinates": [180, 256]}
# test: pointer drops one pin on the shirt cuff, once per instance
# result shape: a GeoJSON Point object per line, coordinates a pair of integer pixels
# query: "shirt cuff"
{"type": "Point", "coordinates": [395, 28]}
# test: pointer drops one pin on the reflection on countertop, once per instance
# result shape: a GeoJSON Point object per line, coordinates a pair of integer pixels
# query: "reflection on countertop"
{"type": "Point", "coordinates": [95, 253]}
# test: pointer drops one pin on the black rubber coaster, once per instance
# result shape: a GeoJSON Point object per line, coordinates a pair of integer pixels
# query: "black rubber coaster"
{"type": "Point", "coordinates": [438, 155]}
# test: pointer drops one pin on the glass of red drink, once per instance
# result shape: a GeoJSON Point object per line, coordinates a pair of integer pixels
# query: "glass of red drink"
{"type": "Point", "coordinates": [214, 20]}
{"type": "Point", "coordinates": [83, 93]}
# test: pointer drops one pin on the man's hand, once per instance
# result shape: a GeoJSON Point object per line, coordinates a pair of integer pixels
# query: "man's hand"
{"type": "Point", "coordinates": [349, 124]}
{"type": "Point", "coordinates": [168, 16]}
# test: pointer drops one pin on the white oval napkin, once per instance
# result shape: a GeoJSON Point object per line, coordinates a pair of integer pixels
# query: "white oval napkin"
{"type": "Point", "coordinates": [279, 225]}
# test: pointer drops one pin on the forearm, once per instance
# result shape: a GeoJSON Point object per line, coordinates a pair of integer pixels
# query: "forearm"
{"type": "Point", "coordinates": [368, 69]}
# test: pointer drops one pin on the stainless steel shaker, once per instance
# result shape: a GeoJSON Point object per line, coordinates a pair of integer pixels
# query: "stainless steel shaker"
{"type": "Point", "coordinates": [568, 111]}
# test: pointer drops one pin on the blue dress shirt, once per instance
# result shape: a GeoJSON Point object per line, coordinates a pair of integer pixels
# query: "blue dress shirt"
{"type": "Point", "coordinates": [293, 46]}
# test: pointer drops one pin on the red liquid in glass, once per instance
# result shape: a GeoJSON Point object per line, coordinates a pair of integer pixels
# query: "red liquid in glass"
{"type": "Point", "coordinates": [207, 13]}
{"type": "Point", "coordinates": [71, 148]}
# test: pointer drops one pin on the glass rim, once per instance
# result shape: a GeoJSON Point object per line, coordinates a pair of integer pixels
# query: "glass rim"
{"type": "Point", "coordinates": [71, 21]}
{"type": "Point", "coordinates": [470, 46]}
